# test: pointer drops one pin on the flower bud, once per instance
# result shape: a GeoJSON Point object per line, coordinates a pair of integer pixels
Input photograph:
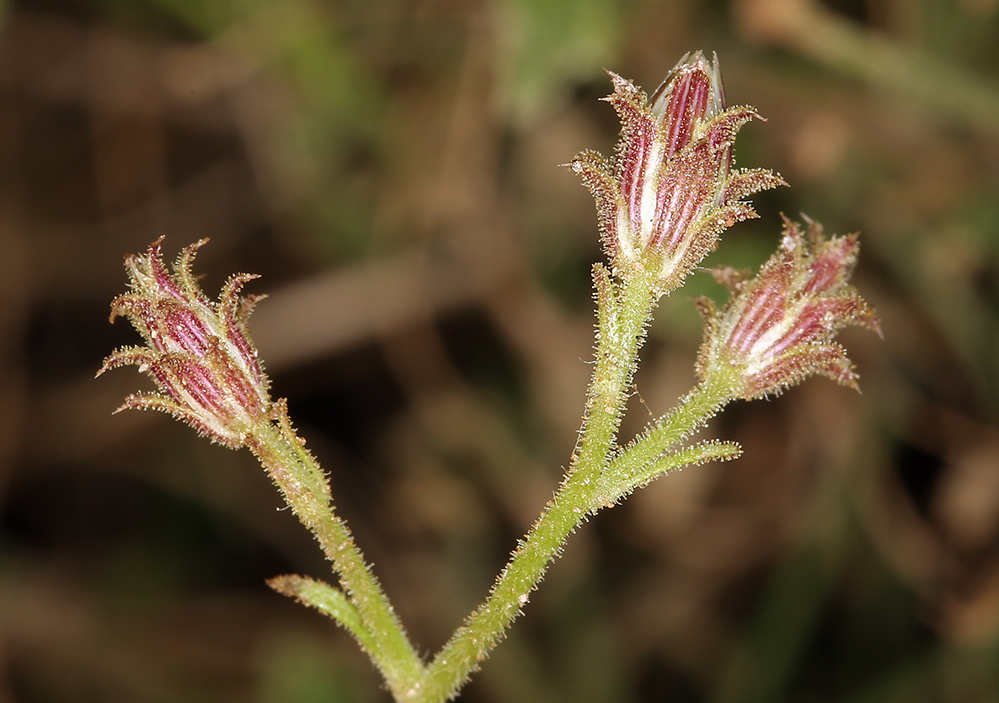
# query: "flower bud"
{"type": "Point", "coordinates": [778, 327]}
{"type": "Point", "coordinates": [670, 191]}
{"type": "Point", "coordinates": [198, 352]}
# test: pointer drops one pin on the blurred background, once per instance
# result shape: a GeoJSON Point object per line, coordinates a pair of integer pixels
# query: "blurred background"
{"type": "Point", "coordinates": [391, 168]}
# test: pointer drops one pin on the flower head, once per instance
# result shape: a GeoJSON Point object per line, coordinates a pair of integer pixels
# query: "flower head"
{"type": "Point", "coordinates": [197, 351]}
{"type": "Point", "coordinates": [670, 190]}
{"type": "Point", "coordinates": [778, 327]}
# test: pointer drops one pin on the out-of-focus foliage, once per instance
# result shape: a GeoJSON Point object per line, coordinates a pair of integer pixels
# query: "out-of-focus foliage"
{"type": "Point", "coordinates": [391, 168]}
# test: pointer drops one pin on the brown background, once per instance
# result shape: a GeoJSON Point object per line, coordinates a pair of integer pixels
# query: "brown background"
{"type": "Point", "coordinates": [391, 168]}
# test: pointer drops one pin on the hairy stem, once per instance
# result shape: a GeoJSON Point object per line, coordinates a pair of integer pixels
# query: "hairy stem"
{"type": "Point", "coordinates": [691, 413]}
{"type": "Point", "coordinates": [305, 488]}
{"type": "Point", "coordinates": [623, 311]}
{"type": "Point", "coordinates": [624, 308]}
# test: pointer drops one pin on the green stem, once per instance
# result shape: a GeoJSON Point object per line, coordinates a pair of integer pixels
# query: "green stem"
{"type": "Point", "coordinates": [691, 413]}
{"type": "Point", "coordinates": [624, 309]}
{"type": "Point", "coordinates": [623, 312]}
{"type": "Point", "coordinates": [306, 490]}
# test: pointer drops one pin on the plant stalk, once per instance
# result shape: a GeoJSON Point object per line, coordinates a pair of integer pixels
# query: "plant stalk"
{"type": "Point", "coordinates": [306, 489]}
{"type": "Point", "coordinates": [624, 310]}
{"type": "Point", "coordinates": [690, 414]}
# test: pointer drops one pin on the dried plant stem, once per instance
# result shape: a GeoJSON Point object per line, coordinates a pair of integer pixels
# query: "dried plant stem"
{"type": "Point", "coordinates": [305, 488]}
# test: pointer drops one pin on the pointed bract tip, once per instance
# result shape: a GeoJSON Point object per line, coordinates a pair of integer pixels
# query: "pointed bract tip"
{"type": "Point", "coordinates": [670, 191]}
{"type": "Point", "coordinates": [778, 327]}
{"type": "Point", "coordinates": [198, 352]}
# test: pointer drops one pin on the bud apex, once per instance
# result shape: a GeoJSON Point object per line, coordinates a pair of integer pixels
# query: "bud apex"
{"type": "Point", "coordinates": [197, 351]}
{"type": "Point", "coordinates": [778, 327]}
{"type": "Point", "coordinates": [669, 191]}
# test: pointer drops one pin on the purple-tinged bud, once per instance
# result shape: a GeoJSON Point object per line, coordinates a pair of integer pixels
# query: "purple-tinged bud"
{"type": "Point", "coordinates": [778, 327]}
{"type": "Point", "coordinates": [197, 351]}
{"type": "Point", "coordinates": [670, 191]}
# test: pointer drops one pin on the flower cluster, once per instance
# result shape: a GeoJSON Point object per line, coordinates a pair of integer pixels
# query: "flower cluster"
{"type": "Point", "coordinates": [778, 327]}
{"type": "Point", "coordinates": [663, 200]}
{"type": "Point", "coordinates": [197, 351]}
{"type": "Point", "coordinates": [670, 190]}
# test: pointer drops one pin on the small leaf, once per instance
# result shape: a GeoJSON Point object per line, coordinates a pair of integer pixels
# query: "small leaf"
{"type": "Point", "coordinates": [614, 486]}
{"type": "Point", "coordinates": [329, 601]}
